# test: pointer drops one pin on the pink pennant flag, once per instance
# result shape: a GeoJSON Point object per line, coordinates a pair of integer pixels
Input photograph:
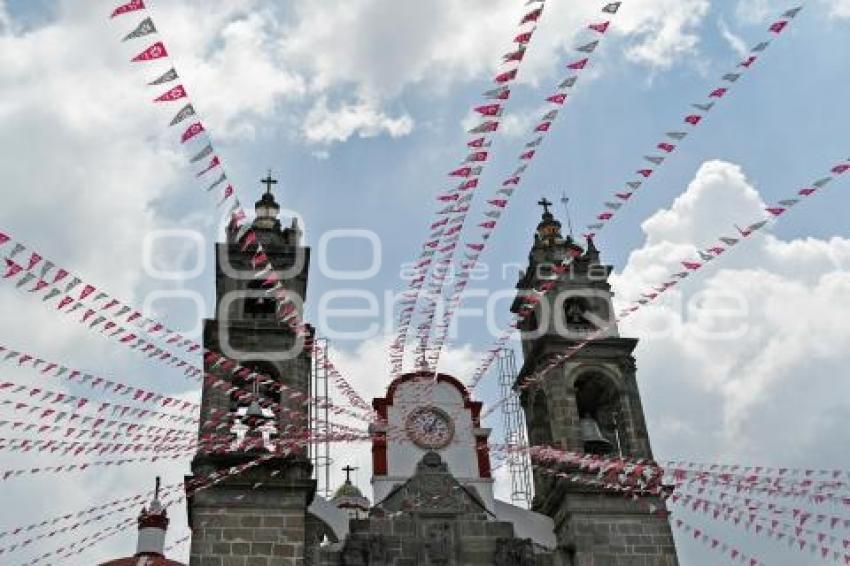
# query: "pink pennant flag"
{"type": "Point", "coordinates": [505, 77]}
{"type": "Point", "coordinates": [524, 37]}
{"type": "Point", "coordinates": [601, 28]}
{"type": "Point", "coordinates": [469, 184]}
{"type": "Point", "coordinates": [557, 98]}
{"type": "Point", "coordinates": [3, 238]}
{"type": "Point", "coordinates": [605, 216]}
{"type": "Point", "coordinates": [527, 155]}
{"type": "Point", "coordinates": [664, 146]}
{"type": "Point", "coordinates": [644, 172]}
{"type": "Point", "coordinates": [155, 51]}
{"type": "Point", "coordinates": [131, 6]}
{"type": "Point", "coordinates": [777, 27]}
{"type": "Point", "coordinates": [580, 64]}
{"type": "Point", "coordinates": [34, 259]}
{"type": "Point", "coordinates": [87, 290]}
{"type": "Point", "coordinates": [192, 131]}
{"type": "Point", "coordinates": [64, 303]}
{"type": "Point", "coordinates": [215, 162]}
{"type": "Point", "coordinates": [842, 168]}
{"type": "Point", "coordinates": [499, 203]}
{"type": "Point", "coordinates": [543, 127]}
{"type": "Point", "coordinates": [748, 61]}
{"type": "Point", "coordinates": [475, 247]}
{"type": "Point", "coordinates": [462, 172]}
{"type": "Point", "coordinates": [12, 269]}
{"type": "Point", "coordinates": [623, 196]}
{"type": "Point", "coordinates": [692, 265]}
{"type": "Point", "coordinates": [532, 16]}
{"type": "Point", "coordinates": [806, 192]}
{"type": "Point", "coordinates": [489, 109]}
{"type": "Point", "coordinates": [693, 119]}
{"type": "Point", "coordinates": [718, 93]}
{"type": "Point", "coordinates": [175, 93]}
{"type": "Point", "coordinates": [60, 274]}
{"type": "Point", "coordinates": [490, 224]}
{"type": "Point", "coordinates": [476, 157]}
{"type": "Point", "coordinates": [511, 181]}
{"type": "Point", "coordinates": [776, 210]}
{"type": "Point", "coordinates": [479, 142]}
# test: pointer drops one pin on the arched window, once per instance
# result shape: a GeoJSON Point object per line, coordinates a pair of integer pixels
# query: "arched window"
{"type": "Point", "coordinates": [598, 404]}
{"type": "Point", "coordinates": [540, 429]}
{"type": "Point", "coordinates": [259, 303]}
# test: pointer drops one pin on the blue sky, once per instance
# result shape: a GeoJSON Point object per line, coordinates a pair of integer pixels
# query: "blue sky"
{"type": "Point", "coordinates": [360, 113]}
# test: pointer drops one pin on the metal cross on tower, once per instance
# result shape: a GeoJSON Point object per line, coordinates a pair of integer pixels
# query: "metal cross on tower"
{"type": "Point", "coordinates": [545, 204]}
{"type": "Point", "coordinates": [348, 469]}
{"type": "Point", "coordinates": [269, 182]}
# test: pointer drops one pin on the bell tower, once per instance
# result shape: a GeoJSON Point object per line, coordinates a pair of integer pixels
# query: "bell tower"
{"type": "Point", "coordinates": [589, 404]}
{"type": "Point", "coordinates": [256, 376]}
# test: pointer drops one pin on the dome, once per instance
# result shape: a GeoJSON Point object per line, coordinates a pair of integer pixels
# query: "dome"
{"type": "Point", "coordinates": [347, 490]}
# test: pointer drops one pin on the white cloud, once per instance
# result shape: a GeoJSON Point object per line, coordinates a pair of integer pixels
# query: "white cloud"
{"type": "Point", "coordinates": [325, 125]}
{"type": "Point", "coordinates": [737, 44]}
{"type": "Point", "coordinates": [725, 399]}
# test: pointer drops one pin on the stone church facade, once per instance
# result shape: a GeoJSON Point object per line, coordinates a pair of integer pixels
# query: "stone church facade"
{"type": "Point", "coordinates": [431, 476]}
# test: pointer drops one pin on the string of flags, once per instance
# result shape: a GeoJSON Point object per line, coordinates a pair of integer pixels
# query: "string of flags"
{"type": "Point", "coordinates": [445, 230]}
{"type": "Point", "coordinates": [55, 370]}
{"type": "Point", "coordinates": [795, 537]}
{"type": "Point", "coordinates": [98, 309]}
{"type": "Point", "coordinates": [691, 267]}
{"type": "Point", "coordinates": [672, 140]}
{"type": "Point", "coordinates": [497, 205]}
{"type": "Point", "coordinates": [726, 550]}
{"type": "Point", "coordinates": [725, 243]}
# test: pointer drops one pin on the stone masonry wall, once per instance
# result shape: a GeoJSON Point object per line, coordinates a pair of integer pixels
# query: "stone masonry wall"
{"type": "Point", "coordinates": [241, 526]}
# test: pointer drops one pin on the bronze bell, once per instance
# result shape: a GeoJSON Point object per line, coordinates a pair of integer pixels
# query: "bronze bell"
{"type": "Point", "coordinates": [592, 437]}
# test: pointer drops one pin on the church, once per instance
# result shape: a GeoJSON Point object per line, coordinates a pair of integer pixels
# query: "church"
{"type": "Point", "coordinates": [431, 474]}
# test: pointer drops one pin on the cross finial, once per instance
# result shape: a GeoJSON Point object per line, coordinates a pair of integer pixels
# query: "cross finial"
{"type": "Point", "coordinates": [269, 182]}
{"type": "Point", "coordinates": [545, 204]}
{"type": "Point", "coordinates": [348, 469]}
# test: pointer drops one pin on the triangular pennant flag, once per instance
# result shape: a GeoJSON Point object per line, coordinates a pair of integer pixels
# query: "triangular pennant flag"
{"type": "Point", "coordinates": [792, 12]}
{"type": "Point", "coordinates": [588, 47]}
{"type": "Point", "coordinates": [578, 65]}
{"type": "Point", "coordinates": [568, 82]}
{"type": "Point", "coordinates": [155, 51]}
{"type": "Point", "coordinates": [653, 159]}
{"type": "Point", "coordinates": [535, 142]}
{"type": "Point", "coordinates": [144, 28]}
{"type": "Point", "coordinates": [501, 93]}
{"type": "Point", "coordinates": [704, 107]}
{"type": "Point", "coordinates": [130, 6]}
{"type": "Point", "coordinates": [678, 136]}
{"type": "Point", "coordinates": [820, 183]}
{"type": "Point", "coordinates": [217, 182]}
{"type": "Point", "coordinates": [175, 93]}
{"type": "Point", "coordinates": [731, 77]}
{"type": "Point", "coordinates": [761, 46]}
{"type": "Point", "coordinates": [729, 241]}
{"type": "Point", "coordinates": [192, 131]}
{"type": "Point", "coordinates": [612, 7]}
{"type": "Point", "coordinates": [206, 152]}
{"type": "Point", "coordinates": [634, 184]}
{"type": "Point", "coordinates": [167, 77]}
{"type": "Point", "coordinates": [789, 202]}
{"type": "Point", "coordinates": [184, 113]}
{"type": "Point", "coordinates": [613, 205]}
{"type": "Point", "coordinates": [601, 28]}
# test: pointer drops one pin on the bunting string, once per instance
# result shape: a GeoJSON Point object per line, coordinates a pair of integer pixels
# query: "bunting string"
{"type": "Point", "coordinates": [665, 149]}
{"type": "Point", "coordinates": [725, 243]}
{"type": "Point", "coordinates": [445, 230]}
{"type": "Point", "coordinates": [502, 197]}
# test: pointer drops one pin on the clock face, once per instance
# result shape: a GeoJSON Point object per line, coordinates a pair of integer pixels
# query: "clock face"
{"type": "Point", "coordinates": [430, 427]}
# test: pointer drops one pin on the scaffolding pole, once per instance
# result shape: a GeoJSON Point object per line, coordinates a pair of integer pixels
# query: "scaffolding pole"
{"type": "Point", "coordinates": [517, 458]}
{"type": "Point", "coordinates": [320, 424]}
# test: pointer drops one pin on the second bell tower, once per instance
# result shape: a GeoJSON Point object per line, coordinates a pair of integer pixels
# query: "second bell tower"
{"type": "Point", "coordinates": [589, 404]}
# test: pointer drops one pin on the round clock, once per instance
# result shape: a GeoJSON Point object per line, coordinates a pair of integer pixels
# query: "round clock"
{"type": "Point", "coordinates": [430, 427]}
